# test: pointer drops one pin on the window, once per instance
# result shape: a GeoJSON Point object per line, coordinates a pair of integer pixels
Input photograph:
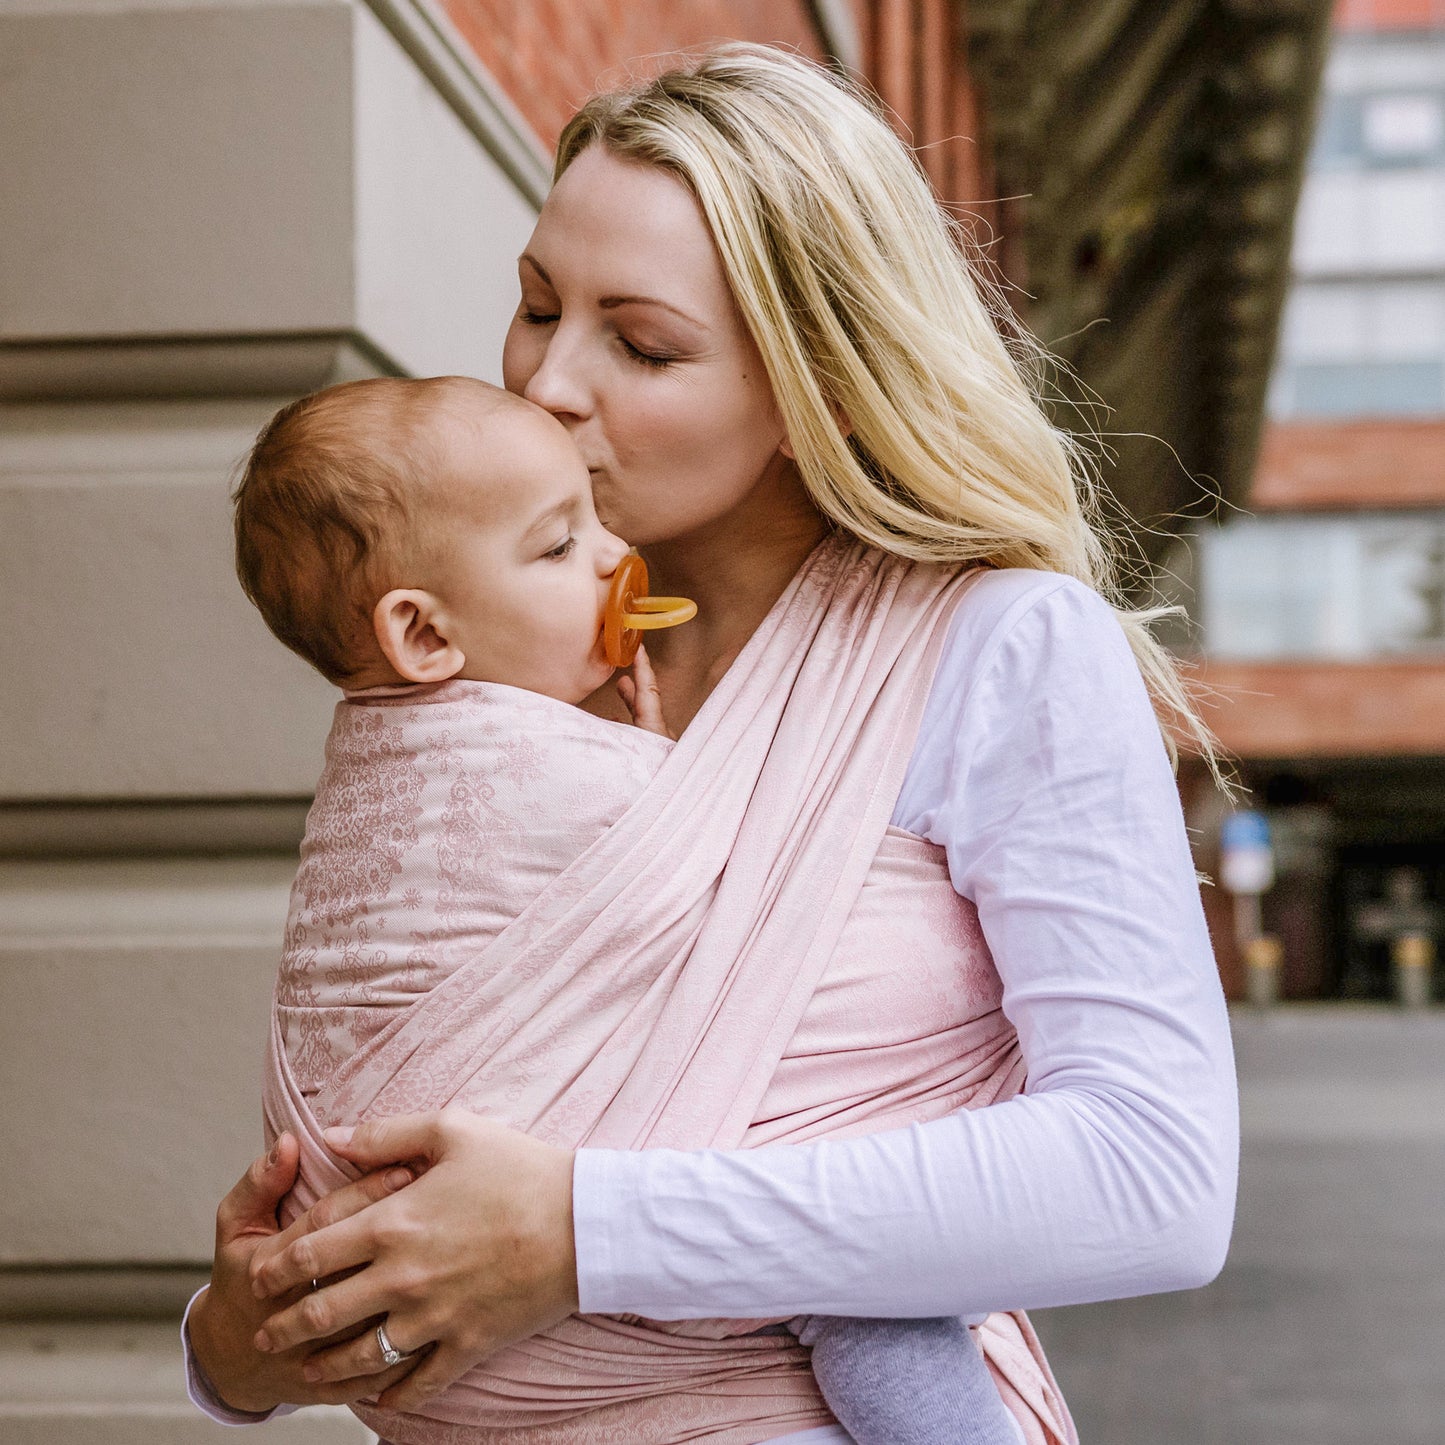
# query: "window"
{"type": "Point", "coordinates": [1380, 388]}
{"type": "Point", "coordinates": [1402, 129]}
{"type": "Point", "coordinates": [1324, 586]}
{"type": "Point", "coordinates": [1362, 348]}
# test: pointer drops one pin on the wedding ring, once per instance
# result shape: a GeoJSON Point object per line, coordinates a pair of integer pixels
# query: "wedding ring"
{"type": "Point", "coordinates": [315, 1284]}
{"type": "Point", "coordinates": [390, 1355]}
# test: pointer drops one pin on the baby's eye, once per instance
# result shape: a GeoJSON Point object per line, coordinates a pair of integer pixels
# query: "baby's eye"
{"type": "Point", "coordinates": [562, 548]}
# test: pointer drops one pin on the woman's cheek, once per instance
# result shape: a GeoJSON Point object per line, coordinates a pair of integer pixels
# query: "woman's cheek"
{"type": "Point", "coordinates": [520, 358]}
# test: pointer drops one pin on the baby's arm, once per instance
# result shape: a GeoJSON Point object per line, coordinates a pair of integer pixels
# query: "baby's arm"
{"type": "Point", "coordinates": [644, 701]}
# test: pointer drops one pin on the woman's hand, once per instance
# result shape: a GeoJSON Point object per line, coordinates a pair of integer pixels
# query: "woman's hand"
{"type": "Point", "coordinates": [476, 1254]}
{"type": "Point", "coordinates": [224, 1320]}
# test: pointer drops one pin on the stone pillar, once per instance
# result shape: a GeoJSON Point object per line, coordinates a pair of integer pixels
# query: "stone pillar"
{"type": "Point", "coordinates": [209, 208]}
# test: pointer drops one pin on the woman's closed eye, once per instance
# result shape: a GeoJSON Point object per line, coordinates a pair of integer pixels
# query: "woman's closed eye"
{"type": "Point", "coordinates": [528, 317]}
{"type": "Point", "coordinates": [646, 358]}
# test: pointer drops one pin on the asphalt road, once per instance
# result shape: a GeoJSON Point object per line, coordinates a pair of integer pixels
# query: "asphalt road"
{"type": "Point", "coordinates": [1327, 1326]}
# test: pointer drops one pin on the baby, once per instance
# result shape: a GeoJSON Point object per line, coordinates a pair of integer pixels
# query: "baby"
{"type": "Point", "coordinates": [432, 548]}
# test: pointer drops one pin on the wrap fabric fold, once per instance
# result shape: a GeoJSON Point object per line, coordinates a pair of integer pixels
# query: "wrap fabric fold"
{"type": "Point", "coordinates": [739, 950]}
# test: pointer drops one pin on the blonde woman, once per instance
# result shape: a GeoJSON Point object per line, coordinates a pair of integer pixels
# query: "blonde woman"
{"type": "Point", "coordinates": [744, 304]}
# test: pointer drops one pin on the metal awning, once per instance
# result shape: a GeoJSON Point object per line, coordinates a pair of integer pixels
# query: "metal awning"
{"type": "Point", "coordinates": [1156, 150]}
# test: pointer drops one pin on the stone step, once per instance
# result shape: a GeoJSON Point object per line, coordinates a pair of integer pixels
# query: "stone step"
{"type": "Point", "coordinates": [121, 1383]}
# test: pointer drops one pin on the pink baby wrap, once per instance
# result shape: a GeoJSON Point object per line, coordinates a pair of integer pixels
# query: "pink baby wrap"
{"type": "Point", "coordinates": [607, 939]}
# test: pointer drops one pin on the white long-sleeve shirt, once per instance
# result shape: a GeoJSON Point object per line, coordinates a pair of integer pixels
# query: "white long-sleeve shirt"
{"type": "Point", "coordinates": [1040, 770]}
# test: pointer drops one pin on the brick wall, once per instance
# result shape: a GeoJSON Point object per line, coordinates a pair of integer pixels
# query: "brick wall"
{"type": "Point", "coordinates": [1389, 14]}
{"type": "Point", "coordinates": [550, 55]}
{"type": "Point", "coordinates": [1307, 709]}
{"type": "Point", "coordinates": [1351, 464]}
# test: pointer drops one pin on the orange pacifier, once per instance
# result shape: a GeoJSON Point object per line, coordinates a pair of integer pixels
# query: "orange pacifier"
{"type": "Point", "coordinates": [630, 611]}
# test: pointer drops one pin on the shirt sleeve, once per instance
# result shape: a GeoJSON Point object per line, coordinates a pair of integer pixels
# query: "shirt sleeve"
{"type": "Point", "coordinates": [1040, 770]}
{"type": "Point", "coordinates": [203, 1393]}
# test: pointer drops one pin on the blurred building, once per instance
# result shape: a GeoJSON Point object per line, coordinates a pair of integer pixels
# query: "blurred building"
{"type": "Point", "coordinates": [1322, 614]}
{"type": "Point", "coordinates": [212, 206]}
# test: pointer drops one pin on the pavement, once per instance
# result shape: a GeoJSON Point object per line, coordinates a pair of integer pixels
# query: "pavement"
{"type": "Point", "coordinates": [1327, 1325]}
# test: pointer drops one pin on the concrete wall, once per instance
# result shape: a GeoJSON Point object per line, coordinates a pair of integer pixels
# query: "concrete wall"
{"type": "Point", "coordinates": [210, 208]}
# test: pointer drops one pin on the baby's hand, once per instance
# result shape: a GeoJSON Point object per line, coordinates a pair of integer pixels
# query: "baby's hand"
{"type": "Point", "coordinates": [644, 701]}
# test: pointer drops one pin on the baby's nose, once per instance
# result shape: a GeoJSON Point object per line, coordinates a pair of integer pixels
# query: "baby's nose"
{"type": "Point", "coordinates": [611, 553]}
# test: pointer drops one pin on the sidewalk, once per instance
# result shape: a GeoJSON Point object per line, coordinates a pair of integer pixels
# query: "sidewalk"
{"type": "Point", "coordinates": [1327, 1326]}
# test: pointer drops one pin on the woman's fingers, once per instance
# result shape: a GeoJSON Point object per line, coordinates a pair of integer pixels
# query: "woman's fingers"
{"type": "Point", "coordinates": [378, 1142]}
{"type": "Point", "coordinates": [332, 1209]}
{"type": "Point", "coordinates": [361, 1387]}
{"type": "Point", "coordinates": [437, 1370]}
{"type": "Point", "coordinates": [344, 1246]}
{"type": "Point", "coordinates": [321, 1313]}
{"type": "Point", "coordinates": [477, 1252]}
{"type": "Point", "coordinates": [362, 1356]}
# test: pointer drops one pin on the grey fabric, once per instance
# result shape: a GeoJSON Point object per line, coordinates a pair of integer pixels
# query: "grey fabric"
{"type": "Point", "coordinates": [906, 1382]}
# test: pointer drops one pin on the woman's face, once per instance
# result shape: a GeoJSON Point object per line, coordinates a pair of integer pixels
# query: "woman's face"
{"type": "Point", "coordinates": [628, 334]}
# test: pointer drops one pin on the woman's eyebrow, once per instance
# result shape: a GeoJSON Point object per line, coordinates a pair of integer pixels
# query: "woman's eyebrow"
{"type": "Point", "coordinates": [609, 303]}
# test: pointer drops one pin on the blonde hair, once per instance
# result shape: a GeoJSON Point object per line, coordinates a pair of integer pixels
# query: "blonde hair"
{"type": "Point", "coordinates": [858, 290]}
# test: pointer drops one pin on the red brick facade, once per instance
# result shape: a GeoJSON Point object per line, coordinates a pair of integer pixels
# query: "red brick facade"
{"type": "Point", "coordinates": [550, 55]}
{"type": "Point", "coordinates": [1351, 465]}
{"type": "Point", "coordinates": [1378, 708]}
{"type": "Point", "coordinates": [1389, 14]}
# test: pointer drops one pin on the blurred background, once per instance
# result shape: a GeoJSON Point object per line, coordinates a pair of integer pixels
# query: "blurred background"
{"type": "Point", "coordinates": [1226, 217]}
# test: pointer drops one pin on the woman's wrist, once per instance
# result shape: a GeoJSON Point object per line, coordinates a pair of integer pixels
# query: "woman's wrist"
{"type": "Point", "coordinates": [210, 1347]}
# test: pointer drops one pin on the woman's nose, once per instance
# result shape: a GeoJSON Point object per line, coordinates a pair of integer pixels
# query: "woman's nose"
{"type": "Point", "coordinates": [557, 384]}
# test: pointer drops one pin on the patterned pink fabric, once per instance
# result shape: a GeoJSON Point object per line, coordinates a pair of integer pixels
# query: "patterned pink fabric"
{"type": "Point", "coordinates": [606, 939]}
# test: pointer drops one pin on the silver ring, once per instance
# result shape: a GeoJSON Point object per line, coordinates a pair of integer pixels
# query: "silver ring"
{"type": "Point", "coordinates": [315, 1284]}
{"type": "Point", "coordinates": [390, 1355]}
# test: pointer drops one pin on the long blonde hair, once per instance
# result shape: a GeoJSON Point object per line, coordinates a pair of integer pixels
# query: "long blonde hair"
{"type": "Point", "coordinates": [862, 299]}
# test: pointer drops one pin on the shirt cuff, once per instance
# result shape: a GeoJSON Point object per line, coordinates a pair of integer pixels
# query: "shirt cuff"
{"type": "Point", "coordinates": [602, 1197]}
{"type": "Point", "coordinates": [203, 1393]}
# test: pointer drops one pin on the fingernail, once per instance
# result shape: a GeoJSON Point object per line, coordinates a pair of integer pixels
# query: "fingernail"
{"type": "Point", "coordinates": [397, 1179]}
{"type": "Point", "coordinates": [262, 1341]}
{"type": "Point", "coordinates": [274, 1155]}
{"type": "Point", "coordinates": [311, 1374]}
{"type": "Point", "coordinates": [338, 1137]}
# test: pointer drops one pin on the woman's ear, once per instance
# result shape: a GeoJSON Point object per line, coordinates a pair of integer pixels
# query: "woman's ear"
{"type": "Point", "coordinates": [412, 636]}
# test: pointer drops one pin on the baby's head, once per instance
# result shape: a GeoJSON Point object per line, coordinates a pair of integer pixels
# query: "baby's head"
{"type": "Point", "coordinates": [397, 531]}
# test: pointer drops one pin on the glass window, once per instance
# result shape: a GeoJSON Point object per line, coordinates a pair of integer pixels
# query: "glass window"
{"type": "Point", "coordinates": [1337, 132]}
{"type": "Point", "coordinates": [1405, 320]}
{"type": "Point", "coordinates": [1330, 227]}
{"type": "Point", "coordinates": [1366, 388]}
{"type": "Point", "coordinates": [1402, 128]}
{"type": "Point", "coordinates": [1324, 586]}
{"type": "Point", "coordinates": [1325, 322]}
{"type": "Point", "coordinates": [1405, 219]}
{"type": "Point", "coordinates": [1368, 320]}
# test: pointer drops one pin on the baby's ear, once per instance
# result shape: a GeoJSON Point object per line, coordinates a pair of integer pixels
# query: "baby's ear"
{"type": "Point", "coordinates": [409, 631]}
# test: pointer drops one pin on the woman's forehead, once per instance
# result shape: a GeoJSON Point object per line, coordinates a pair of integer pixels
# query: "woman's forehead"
{"type": "Point", "coordinates": [626, 226]}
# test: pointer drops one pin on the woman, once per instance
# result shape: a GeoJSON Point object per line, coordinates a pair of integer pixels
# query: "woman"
{"type": "Point", "coordinates": [746, 307]}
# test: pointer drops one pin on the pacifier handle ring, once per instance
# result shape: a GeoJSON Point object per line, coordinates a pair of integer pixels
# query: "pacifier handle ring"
{"type": "Point", "coordinates": [650, 614]}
